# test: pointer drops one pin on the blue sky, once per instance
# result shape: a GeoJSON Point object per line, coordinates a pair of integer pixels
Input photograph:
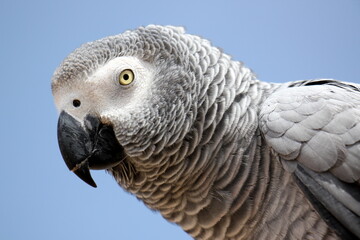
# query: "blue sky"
{"type": "Point", "coordinates": [281, 40]}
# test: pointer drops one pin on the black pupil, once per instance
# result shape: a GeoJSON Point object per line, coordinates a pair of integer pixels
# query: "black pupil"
{"type": "Point", "coordinates": [126, 77]}
{"type": "Point", "coordinates": [76, 103]}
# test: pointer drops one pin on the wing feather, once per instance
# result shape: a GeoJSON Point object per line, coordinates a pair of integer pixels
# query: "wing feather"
{"type": "Point", "coordinates": [314, 126]}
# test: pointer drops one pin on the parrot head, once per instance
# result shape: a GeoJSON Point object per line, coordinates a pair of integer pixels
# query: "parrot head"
{"type": "Point", "coordinates": [123, 99]}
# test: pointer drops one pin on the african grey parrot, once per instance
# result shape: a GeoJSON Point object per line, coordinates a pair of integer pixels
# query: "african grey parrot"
{"type": "Point", "coordinates": [196, 136]}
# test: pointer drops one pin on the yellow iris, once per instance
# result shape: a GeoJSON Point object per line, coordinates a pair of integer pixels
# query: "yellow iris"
{"type": "Point", "coordinates": [126, 77]}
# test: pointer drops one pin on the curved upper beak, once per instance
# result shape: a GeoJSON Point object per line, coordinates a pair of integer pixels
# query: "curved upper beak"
{"type": "Point", "coordinates": [91, 145]}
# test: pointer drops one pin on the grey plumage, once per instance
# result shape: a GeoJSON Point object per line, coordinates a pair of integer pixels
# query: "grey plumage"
{"type": "Point", "coordinates": [212, 148]}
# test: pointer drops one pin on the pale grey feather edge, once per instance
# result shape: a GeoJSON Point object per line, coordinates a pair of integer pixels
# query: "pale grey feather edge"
{"type": "Point", "coordinates": [340, 199]}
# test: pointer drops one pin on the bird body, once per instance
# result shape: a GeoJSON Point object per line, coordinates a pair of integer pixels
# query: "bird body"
{"type": "Point", "coordinates": [201, 140]}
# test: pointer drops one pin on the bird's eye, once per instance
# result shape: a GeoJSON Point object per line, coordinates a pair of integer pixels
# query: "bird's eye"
{"type": "Point", "coordinates": [126, 77]}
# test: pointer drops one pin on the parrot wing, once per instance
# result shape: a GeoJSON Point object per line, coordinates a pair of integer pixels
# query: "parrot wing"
{"type": "Point", "coordinates": [314, 127]}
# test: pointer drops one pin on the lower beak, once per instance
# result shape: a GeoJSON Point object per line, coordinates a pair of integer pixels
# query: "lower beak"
{"type": "Point", "coordinates": [91, 145]}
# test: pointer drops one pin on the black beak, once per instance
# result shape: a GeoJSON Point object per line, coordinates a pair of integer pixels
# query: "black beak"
{"type": "Point", "coordinates": [92, 145]}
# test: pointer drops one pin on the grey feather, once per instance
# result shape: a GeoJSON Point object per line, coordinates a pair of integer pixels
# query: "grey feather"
{"type": "Point", "coordinates": [214, 149]}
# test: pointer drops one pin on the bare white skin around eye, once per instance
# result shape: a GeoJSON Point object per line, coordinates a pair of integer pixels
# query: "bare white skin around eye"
{"type": "Point", "coordinates": [102, 94]}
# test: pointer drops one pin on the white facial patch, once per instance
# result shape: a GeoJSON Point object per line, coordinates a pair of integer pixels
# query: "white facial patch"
{"type": "Point", "coordinates": [102, 94]}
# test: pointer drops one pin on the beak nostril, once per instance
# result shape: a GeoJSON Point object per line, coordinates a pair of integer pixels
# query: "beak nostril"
{"type": "Point", "coordinates": [76, 103]}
